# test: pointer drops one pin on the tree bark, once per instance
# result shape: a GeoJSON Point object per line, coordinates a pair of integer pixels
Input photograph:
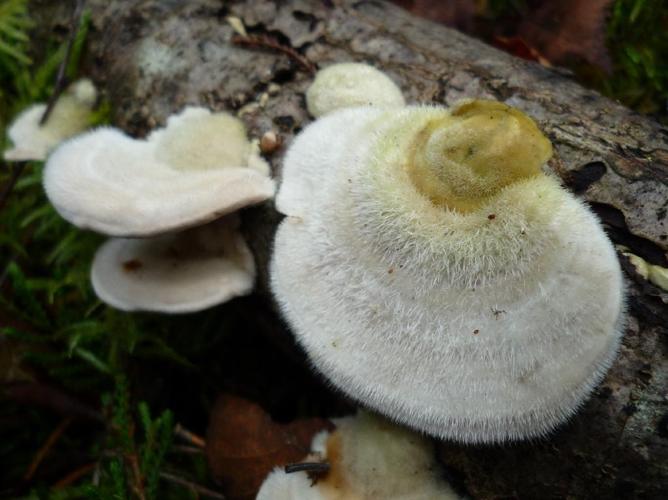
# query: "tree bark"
{"type": "Point", "coordinates": [152, 57]}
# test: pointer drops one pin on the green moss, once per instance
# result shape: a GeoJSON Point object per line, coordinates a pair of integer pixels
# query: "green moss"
{"type": "Point", "coordinates": [639, 47]}
{"type": "Point", "coordinates": [57, 327]}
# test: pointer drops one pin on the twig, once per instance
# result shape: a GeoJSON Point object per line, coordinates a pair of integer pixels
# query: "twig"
{"type": "Point", "coordinates": [17, 170]}
{"type": "Point", "coordinates": [191, 450]}
{"type": "Point", "coordinates": [138, 485]}
{"type": "Point", "coordinates": [46, 447]}
{"type": "Point", "coordinates": [75, 475]}
{"type": "Point", "coordinates": [38, 394]}
{"type": "Point", "coordinates": [267, 42]}
{"type": "Point", "coordinates": [193, 439]}
{"type": "Point", "coordinates": [193, 486]}
{"type": "Point", "coordinates": [60, 76]}
{"type": "Point", "coordinates": [318, 467]}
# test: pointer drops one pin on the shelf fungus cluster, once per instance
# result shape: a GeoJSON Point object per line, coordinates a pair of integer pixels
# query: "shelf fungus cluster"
{"type": "Point", "coordinates": [71, 113]}
{"type": "Point", "coordinates": [432, 270]}
{"type": "Point", "coordinates": [169, 200]}
{"type": "Point", "coordinates": [369, 458]}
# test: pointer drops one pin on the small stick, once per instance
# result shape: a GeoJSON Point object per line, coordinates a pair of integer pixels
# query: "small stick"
{"type": "Point", "coordinates": [75, 475]}
{"type": "Point", "coordinates": [46, 447]}
{"type": "Point", "coordinates": [191, 450]}
{"type": "Point", "coordinates": [265, 41]}
{"type": "Point", "coordinates": [318, 467]}
{"type": "Point", "coordinates": [193, 486]}
{"type": "Point", "coordinates": [192, 438]}
{"type": "Point", "coordinates": [138, 485]}
{"type": "Point", "coordinates": [60, 76]}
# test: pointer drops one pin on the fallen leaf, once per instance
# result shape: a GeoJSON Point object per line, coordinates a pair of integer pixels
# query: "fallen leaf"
{"type": "Point", "coordinates": [519, 48]}
{"type": "Point", "coordinates": [244, 444]}
{"type": "Point", "coordinates": [569, 31]}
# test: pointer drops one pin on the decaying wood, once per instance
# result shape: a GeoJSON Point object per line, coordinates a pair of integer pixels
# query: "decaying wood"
{"type": "Point", "coordinates": [152, 57]}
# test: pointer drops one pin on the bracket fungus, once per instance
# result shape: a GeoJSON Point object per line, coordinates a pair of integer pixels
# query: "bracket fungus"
{"type": "Point", "coordinates": [369, 459]}
{"type": "Point", "coordinates": [433, 272]}
{"type": "Point", "coordinates": [71, 114]}
{"type": "Point", "coordinates": [197, 169]}
{"type": "Point", "coordinates": [172, 190]}
{"type": "Point", "coordinates": [347, 85]}
{"type": "Point", "coordinates": [176, 272]}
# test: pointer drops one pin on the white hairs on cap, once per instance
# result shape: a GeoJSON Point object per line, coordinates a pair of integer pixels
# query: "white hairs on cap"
{"type": "Point", "coordinates": [433, 273]}
{"type": "Point", "coordinates": [347, 85]}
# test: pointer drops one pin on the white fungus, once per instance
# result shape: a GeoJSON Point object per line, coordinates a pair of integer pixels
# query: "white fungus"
{"type": "Point", "coordinates": [370, 459]}
{"type": "Point", "coordinates": [433, 272]}
{"type": "Point", "coordinates": [177, 272]}
{"type": "Point", "coordinates": [198, 168]}
{"type": "Point", "coordinates": [347, 85]}
{"type": "Point", "coordinates": [71, 114]}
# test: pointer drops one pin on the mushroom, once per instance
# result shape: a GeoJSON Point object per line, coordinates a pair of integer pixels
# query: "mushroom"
{"type": "Point", "coordinates": [176, 272]}
{"type": "Point", "coordinates": [347, 85]}
{"type": "Point", "coordinates": [197, 169]}
{"type": "Point", "coordinates": [171, 189]}
{"type": "Point", "coordinates": [434, 273]}
{"type": "Point", "coordinates": [71, 114]}
{"type": "Point", "coordinates": [369, 459]}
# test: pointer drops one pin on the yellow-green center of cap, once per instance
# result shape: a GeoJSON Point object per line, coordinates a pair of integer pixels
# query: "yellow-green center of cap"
{"type": "Point", "coordinates": [463, 159]}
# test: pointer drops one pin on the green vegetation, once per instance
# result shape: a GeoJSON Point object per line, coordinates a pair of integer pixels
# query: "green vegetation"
{"type": "Point", "coordinates": [639, 46]}
{"type": "Point", "coordinates": [52, 325]}
{"type": "Point", "coordinates": [636, 39]}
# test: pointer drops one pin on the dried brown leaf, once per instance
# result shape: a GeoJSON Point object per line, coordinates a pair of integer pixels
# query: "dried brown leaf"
{"type": "Point", "coordinates": [569, 31]}
{"type": "Point", "coordinates": [244, 444]}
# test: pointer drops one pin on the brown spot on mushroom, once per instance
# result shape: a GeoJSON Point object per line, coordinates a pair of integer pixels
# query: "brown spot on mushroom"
{"type": "Point", "coordinates": [390, 270]}
{"type": "Point", "coordinates": [132, 265]}
{"type": "Point", "coordinates": [335, 478]}
{"type": "Point", "coordinates": [476, 331]}
{"type": "Point", "coordinates": [491, 216]}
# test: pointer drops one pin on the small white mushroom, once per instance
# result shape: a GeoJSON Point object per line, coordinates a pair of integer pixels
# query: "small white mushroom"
{"type": "Point", "coordinates": [198, 168]}
{"type": "Point", "coordinates": [433, 272]}
{"type": "Point", "coordinates": [370, 459]}
{"type": "Point", "coordinates": [71, 114]}
{"type": "Point", "coordinates": [346, 85]}
{"type": "Point", "coordinates": [175, 273]}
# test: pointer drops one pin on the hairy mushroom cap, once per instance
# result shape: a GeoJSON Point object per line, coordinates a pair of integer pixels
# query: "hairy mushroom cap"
{"type": "Point", "coordinates": [369, 459]}
{"type": "Point", "coordinates": [198, 168]}
{"type": "Point", "coordinates": [347, 85]}
{"type": "Point", "coordinates": [71, 114]}
{"type": "Point", "coordinates": [434, 273]}
{"type": "Point", "coordinates": [175, 273]}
